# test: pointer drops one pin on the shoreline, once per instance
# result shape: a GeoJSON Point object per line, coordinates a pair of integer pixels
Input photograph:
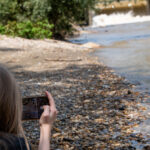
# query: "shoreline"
{"type": "Point", "coordinates": [97, 108]}
{"type": "Point", "coordinates": [139, 7]}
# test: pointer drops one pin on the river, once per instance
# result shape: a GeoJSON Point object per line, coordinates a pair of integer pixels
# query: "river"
{"type": "Point", "coordinates": [126, 49]}
{"type": "Point", "coordinates": [126, 45]}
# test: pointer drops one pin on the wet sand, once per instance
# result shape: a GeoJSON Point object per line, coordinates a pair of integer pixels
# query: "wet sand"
{"type": "Point", "coordinates": [97, 108]}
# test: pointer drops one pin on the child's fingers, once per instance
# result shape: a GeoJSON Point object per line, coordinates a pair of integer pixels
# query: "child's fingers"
{"type": "Point", "coordinates": [51, 100]}
{"type": "Point", "coordinates": [46, 110]}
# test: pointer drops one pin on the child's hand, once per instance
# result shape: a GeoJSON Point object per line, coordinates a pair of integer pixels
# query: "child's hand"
{"type": "Point", "coordinates": [50, 112]}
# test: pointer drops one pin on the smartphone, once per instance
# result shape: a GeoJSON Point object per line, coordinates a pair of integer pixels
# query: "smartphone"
{"type": "Point", "coordinates": [32, 107]}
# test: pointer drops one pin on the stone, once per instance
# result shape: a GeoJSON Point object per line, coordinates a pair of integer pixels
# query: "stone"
{"type": "Point", "coordinates": [91, 45]}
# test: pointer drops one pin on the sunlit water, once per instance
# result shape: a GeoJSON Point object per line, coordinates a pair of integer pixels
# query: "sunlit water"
{"type": "Point", "coordinates": [130, 59]}
{"type": "Point", "coordinates": [119, 18]}
{"type": "Point", "coordinates": [126, 49]}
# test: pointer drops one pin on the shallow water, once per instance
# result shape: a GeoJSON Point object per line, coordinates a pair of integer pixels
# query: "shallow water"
{"type": "Point", "coordinates": [130, 59]}
{"type": "Point", "coordinates": [126, 50]}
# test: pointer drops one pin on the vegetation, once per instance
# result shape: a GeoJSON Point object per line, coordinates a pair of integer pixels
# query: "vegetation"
{"type": "Point", "coordinates": [22, 17]}
{"type": "Point", "coordinates": [30, 30]}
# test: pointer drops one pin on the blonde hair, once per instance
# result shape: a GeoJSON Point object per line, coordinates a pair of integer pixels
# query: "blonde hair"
{"type": "Point", "coordinates": [10, 105]}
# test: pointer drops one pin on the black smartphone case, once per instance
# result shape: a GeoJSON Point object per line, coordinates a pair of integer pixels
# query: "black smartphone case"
{"type": "Point", "coordinates": [32, 107]}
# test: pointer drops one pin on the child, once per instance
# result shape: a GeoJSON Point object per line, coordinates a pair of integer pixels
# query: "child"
{"type": "Point", "coordinates": [11, 132]}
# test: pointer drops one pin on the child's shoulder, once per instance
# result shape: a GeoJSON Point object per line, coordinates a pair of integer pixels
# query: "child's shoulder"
{"type": "Point", "coordinates": [11, 142]}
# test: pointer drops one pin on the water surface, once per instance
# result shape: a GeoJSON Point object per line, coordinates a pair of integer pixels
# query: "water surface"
{"type": "Point", "coordinates": [126, 50]}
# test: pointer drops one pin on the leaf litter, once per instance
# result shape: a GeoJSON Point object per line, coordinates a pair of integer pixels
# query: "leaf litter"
{"type": "Point", "coordinates": [98, 110]}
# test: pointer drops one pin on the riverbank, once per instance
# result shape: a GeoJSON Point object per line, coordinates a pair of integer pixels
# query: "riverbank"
{"type": "Point", "coordinates": [138, 7]}
{"type": "Point", "coordinates": [97, 108]}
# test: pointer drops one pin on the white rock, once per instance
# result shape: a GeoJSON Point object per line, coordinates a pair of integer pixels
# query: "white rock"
{"type": "Point", "coordinates": [91, 45]}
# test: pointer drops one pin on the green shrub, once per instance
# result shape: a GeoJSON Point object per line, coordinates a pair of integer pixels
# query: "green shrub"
{"type": "Point", "coordinates": [60, 13]}
{"type": "Point", "coordinates": [2, 29]}
{"type": "Point", "coordinates": [38, 30]}
{"type": "Point", "coordinates": [8, 10]}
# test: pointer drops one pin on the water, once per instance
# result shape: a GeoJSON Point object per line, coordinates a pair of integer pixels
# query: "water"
{"type": "Point", "coordinates": [126, 46]}
{"type": "Point", "coordinates": [119, 18]}
{"type": "Point", "coordinates": [126, 41]}
{"type": "Point", "coordinates": [130, 59]}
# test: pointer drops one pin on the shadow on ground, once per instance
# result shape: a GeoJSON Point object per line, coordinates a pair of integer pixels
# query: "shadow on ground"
{"type": "Point", "coordinates": [4, 49]}
{"type": "Point", "coordinates": [93, 103]}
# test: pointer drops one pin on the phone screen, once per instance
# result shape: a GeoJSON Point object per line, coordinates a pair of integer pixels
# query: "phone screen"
{"type": "Point", "coordinates": [32, 107]}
